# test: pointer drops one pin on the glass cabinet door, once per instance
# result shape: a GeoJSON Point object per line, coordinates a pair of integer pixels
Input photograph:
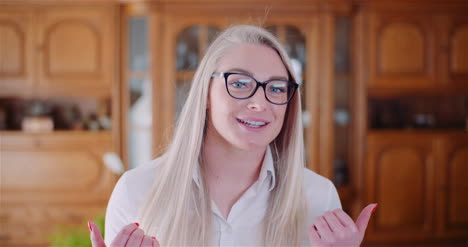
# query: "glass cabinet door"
{"type": "Point", "coordinates": [294, 42]}
{"type": "Point", "coordinates": [342, 102]}
{"type": "Point", "coordinates": [191, 45]}
{"type": "Point", "coordinates": [139, 108]}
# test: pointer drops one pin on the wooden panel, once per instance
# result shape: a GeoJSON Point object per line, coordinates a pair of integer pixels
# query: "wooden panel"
{"type": "Point", "coordinates": [77, 50]}
{"type": "Point", "coordinates": [398, 165]}
{"type": "Point", "coordinates": [459, 51]}
{"type": "Point", "coordinates": [400, 177]}
{"type": "Point", "coordinates": [457, 57]}
{"type": "Point", "coordinates": [73, 49]}
{"type": "Point", "coordinates": [401, 51]}
{"type": "Point", "coordinates": [42, 165]}
{"type": "Point", "coordinates": [453, 185]}
{"type": "Point", "coordinates": [16, 54]}
{"type": "Point", "coordinates": [401, 47]}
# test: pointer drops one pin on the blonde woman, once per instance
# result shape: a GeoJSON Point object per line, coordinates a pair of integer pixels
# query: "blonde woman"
{"type": "Point", "coordinates": [234, 173]}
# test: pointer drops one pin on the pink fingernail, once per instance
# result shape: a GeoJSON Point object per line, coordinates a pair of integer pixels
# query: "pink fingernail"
{"type": "Point", "coordinates": [375, 207]}
{"type": "Point", "coordinates": [90, 227]}
{"type": "Point", "coordinates": [153, 238]}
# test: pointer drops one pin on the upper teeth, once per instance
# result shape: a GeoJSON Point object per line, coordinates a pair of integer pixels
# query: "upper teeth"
{"type": "Point", "coordinates": [252, 122]}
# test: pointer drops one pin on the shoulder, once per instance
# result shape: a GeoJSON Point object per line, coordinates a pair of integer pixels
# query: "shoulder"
{"type": "Point", "coordinates": [316, 183]}
{"type": "Point", "coordinates": [320, 192]}
{"type": "Point", "coordinates": [138, 181]}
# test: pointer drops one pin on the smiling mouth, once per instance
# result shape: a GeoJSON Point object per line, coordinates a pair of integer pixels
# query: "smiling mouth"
{"type": "Point", "coordinates": [252, 124]}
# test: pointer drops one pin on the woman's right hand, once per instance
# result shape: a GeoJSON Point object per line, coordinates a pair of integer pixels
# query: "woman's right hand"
{"type": "Point", "coordinates": [129, 236]}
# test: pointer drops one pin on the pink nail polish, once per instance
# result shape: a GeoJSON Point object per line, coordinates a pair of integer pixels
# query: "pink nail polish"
{"type": "Point", "coordinates": [90, 227]}
{"type": "Point", "coordinates": [375, 207]}
{"type": "Point", "coordinates": [153, 238]}
{"type": "Point", "coordinates": [136, 224]}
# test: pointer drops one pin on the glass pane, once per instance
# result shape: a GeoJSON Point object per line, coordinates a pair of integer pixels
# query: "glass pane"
{"type": "Point", "coordinates": [342, 43]}
{"type": "Point", "coordinates": [138, 44]}
{"type": "Point", "coordinates": [140, 122]}
{"type": "Point", "coordinates": [342, 115]}
{"type": "Point", "coordinates": [295, 46]}
{"type": "Point", "coordinates": [213, 32]}
{"type": "Point", "coordinates": [187, 49]}
{"type": "Point", "coordinates": [182, 90]}
{"type": "Point", "coordinates": [273, 30]}
{"type": "Point", "coordinates": [140, 101]}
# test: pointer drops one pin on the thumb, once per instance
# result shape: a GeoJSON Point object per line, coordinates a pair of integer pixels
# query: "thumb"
{"type": "Point", "coordinates": [364, 217]}
{"type": "Point", "coordinates": [96, 237]}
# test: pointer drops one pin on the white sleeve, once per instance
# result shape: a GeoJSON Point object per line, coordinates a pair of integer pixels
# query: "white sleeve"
{"type": "Point", "coordinates": [333, 197]}
{"type": "Point", "coordinates": [118, 210]}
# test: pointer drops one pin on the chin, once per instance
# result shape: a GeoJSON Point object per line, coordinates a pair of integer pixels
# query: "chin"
{"type": "Point", "coordinates": [249, 145]}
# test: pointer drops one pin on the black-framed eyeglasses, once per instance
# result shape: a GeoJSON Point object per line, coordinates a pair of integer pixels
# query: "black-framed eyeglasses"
{"type": "Point", "coordinates": [243, 86]}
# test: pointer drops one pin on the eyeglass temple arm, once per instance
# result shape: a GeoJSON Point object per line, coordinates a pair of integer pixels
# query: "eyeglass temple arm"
{"type": "Point", "coordinates": [217, 75]}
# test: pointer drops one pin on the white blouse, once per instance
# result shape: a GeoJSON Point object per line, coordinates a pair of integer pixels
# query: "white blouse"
{"type": "Point", "coordinates": [242, 227]}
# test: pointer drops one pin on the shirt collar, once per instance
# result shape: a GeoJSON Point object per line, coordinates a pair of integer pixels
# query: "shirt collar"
{"type": "Point", "coordinates": [268, 169]}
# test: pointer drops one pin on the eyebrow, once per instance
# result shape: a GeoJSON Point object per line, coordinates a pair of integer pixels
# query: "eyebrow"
{"type": "Point", "coordinates": [251, 74]}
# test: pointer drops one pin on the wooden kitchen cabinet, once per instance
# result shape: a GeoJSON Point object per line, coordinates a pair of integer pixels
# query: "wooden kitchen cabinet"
{"type": "Point", "coordinates": [412, 48]}
{"type": "Point", "coordinates": [419, 181]}
{"type": "Point", "coordinates": [58, 50]}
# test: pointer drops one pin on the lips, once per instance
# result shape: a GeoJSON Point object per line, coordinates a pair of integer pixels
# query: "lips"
{"type": "Point", "coordinates": [253, 123]}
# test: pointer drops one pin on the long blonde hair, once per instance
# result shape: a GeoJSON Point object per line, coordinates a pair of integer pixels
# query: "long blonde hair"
{"type": "Point", "coordinates": [177, 211]}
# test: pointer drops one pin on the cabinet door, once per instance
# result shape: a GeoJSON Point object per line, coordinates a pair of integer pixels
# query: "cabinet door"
{"type": "Point", "coordinates": [16, 49]}
{"type": "Point", "coordinates": [401, 51]}
{"type": "Point", "coordinates": [77, 50]}
{"type": "Point", "coordinates": [455, 49]}
{"type": "Point", "coordinates": [400, 178]}
{"type": "Point", "coordinates": [453, 185]}
{"type": "Point", "coordinates": [49, 180]}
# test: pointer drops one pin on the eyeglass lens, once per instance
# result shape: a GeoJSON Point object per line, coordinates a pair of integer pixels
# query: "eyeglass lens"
{"type": "Point", "coordinates": [242, 86]}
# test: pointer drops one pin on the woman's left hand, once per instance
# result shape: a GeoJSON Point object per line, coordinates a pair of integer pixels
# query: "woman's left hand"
{"type": "Point", "coordinates": [336, 228]}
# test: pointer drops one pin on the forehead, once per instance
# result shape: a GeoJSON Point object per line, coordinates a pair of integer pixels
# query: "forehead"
{"type": "Point", "coordinates": [261, 60]}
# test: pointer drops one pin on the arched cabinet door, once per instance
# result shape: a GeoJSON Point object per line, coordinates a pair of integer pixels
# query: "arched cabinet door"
{"type": "Point", "coordinates": [401, 178]}
{"type": "Point", "coordinates": [456, 50]}
{"type": "Point", "coordinates": [452, 185]}
{"type": "Point", "coordinates": [76, 50]}
{"type": "Point", "coordinates": [401, 51]}
{"type": "Point", "coordinates": [16, 49]}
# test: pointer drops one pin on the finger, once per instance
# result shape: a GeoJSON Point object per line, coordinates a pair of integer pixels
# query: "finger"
{"type": "Point", "coordinates": [95, 234]}
{"type": "Point", "coordinates": [323, 229]}
{"type": "Point", "coordinates": [136, 238]}
{"type": "Point", "coordinates": [314, 237]}
{"type": "Point", "coordinates": [124, 234]}
{"type": "Point", "coordinates": [333, 222]}
{"type": "Point", "coordinates": [345, 219]}
{"type": "Point", "coordinates": [364, 217]}
{"type": "Point", "coordinates": [147, 241]}
{"type": "Point", "coordinates": [155, 242]}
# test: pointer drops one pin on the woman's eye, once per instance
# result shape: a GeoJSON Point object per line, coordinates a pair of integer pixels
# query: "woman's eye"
{"type": "Point", "coordinates": [237, 84]}
{"type": "Point", "coordinates": [278, 89]}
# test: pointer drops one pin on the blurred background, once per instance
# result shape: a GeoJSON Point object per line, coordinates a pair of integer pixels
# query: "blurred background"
{"type": "Point", "coordinates": [89, 89]}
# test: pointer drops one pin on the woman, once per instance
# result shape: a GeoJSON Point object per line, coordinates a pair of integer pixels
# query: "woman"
{"type": "Point", "coordinates": [234, 173]}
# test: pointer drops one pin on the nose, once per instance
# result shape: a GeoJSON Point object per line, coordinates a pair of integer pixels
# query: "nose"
{"type": "Point", "coordinates": [257, 102]}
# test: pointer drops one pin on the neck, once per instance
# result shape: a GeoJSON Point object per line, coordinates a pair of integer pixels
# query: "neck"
{"type": "Point", "coordinates": [224, 163]}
